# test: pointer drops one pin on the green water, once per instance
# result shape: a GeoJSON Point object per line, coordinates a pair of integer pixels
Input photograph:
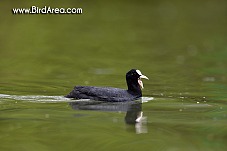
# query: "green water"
{"type": "Point", "coordinates": [180, 46]}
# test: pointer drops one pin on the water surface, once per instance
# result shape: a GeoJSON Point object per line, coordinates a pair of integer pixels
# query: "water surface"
{"type": "Point", "coordinates": [180, 46]}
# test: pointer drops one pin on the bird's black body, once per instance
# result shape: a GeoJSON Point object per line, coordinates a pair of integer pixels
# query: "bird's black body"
{"type": "Point", "coordinates": [102, 94]}
{"type": "Point", "coordinates": [111, 94]}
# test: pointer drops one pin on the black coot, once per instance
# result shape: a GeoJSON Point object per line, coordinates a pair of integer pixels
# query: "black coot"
{"type": "Point", "coordinates": [133, 78]}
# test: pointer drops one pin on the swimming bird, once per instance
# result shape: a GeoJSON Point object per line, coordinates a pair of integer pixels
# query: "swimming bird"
{"type": "Point", "coordinates": [134, 83]}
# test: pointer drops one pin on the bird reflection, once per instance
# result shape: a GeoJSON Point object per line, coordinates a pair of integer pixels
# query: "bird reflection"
{"type": "Point", "coordinates": [134, 115]}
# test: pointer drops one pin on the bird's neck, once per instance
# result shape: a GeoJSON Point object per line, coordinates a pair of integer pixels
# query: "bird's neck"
{"type": "Point", "coordinates": [134, 89]}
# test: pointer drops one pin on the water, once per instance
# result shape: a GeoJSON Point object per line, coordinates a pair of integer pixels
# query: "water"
{"type": "Point", "coordinates": [179, 46]}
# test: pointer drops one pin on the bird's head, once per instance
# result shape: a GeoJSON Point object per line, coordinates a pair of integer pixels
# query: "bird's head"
{"type": "Point", "coordinates": [133, 78]}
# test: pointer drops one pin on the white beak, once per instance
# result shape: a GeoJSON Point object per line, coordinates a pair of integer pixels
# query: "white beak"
{"type": "Point", "coordinates": [140, 81]}
{"type": "Point", "coordinates": [144, 77]}
{"type": "Point", "coordinates": [141, 77]}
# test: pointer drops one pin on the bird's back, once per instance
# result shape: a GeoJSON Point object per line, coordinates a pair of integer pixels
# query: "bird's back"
{"type": "Point", "coordinates": [101, 93]}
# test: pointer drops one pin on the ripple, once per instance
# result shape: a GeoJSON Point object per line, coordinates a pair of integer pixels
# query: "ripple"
{"type": "Point", "coordinates": [35, 98]}
{"type": "Point", "coordinates": [146, 99]}
{"type": "Point", "coordinates": [47, 99]}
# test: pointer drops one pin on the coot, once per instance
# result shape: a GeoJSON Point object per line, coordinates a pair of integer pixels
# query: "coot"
{"type": "Point", "coordinates": [134, 82]}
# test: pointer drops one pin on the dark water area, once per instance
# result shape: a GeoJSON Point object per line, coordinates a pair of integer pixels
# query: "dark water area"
{"type": "Point", "coordinates": [180, 45]}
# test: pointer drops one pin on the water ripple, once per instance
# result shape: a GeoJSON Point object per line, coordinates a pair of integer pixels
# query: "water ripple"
{"type": "Point", "coordinates": [47, 99]}
{"type": "Point", "coordinates": [35, 98]}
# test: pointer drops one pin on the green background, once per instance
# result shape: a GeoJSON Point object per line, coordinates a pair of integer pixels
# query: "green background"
{"type": "Point", "coordinates": [180, 45]}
